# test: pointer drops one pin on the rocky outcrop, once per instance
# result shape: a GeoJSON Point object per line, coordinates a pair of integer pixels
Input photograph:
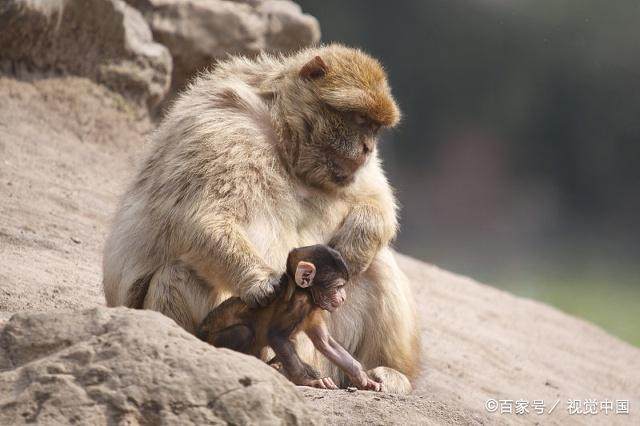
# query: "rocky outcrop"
{"type": "Point", "coordinates": [199, 32]}
{"type": "Point", "coordinates": [105, 40]}
{"type": "Point", "coordinates": [120, 366]}
{"type": "Point", "coordinates": [112, 43]}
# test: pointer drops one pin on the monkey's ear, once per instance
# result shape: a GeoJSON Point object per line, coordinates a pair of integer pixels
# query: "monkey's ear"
{"type": "Point", "coordinates": [314, 69]}
{"type": "Point", "coordinates": [305, 271]}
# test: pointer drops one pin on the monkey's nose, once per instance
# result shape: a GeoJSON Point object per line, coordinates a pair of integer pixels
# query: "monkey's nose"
{"type": "Point", "coordinates": [367, 146]}
{"type": "Point", "coordinates": [351, 165]}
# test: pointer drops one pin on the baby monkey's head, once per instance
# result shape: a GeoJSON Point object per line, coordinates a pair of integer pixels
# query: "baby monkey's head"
{"type": "Point", "coordinates": [321, 269]}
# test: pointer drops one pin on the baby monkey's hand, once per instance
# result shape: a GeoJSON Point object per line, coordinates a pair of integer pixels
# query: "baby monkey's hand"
{"type": "Point", "coordinates": [364, 382]}
{"type": "Point", "coordinates": [324, 383]}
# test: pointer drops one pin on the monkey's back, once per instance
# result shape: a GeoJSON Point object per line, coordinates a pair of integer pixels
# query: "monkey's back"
{"type": "Point", "coordinates": [232, 311]}
{"type": "Point", "coordinates": [285, 316]}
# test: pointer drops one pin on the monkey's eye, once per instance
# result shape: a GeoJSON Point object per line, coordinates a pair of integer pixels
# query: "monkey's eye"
{"type": "Point", "coordinates": [360, 119]}
{"type": "Point", "coordinates": [365, 122]}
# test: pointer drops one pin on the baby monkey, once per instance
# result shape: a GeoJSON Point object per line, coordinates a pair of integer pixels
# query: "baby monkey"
{"type": "Point", "coordinates": [314, 281]}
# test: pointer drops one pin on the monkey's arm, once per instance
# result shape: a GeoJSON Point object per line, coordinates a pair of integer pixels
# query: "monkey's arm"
{"type": "Point", "coordinates": [222, 253]}
{"type": "Point", "coordinates": [368, 227]}
{"type": "Point", "coordinates": [294, 368]}
{"type": "Point", "coordinates": [370, 224]}
{"type": "Point", "coordinates": [338, 355]}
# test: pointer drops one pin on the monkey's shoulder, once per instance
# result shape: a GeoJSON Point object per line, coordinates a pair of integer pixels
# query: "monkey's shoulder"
{"type": "Point", "coordinates": [302, 299]}
{"type": "Point", "coordinates": [291, 314]}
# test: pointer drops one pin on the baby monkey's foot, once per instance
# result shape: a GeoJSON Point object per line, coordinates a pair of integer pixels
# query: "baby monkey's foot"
{"type": "Point", "coordinates": [277, 365]}
{"type": "Point", "coordinates": [324, 383]}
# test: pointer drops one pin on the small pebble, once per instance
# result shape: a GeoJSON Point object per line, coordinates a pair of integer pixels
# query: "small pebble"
{"type": "Point", "coordinates": [76, 240]}
{"type": "Point", "coordinates": [351, 389]}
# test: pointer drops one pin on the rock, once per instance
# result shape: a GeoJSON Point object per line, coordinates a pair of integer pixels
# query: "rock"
{"type": "Point", "coordinates": [198, 32]}
{"type": "Point", "coordinates": [120, 366]}
{"type": "Point", "coordinates": [105, 40]}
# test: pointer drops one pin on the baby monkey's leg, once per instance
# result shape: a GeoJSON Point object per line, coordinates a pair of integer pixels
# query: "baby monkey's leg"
{"type": "Point", "coordinates": [237, 337]}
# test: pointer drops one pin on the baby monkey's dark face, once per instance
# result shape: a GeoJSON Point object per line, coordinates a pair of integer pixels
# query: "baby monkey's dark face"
{"type": "Point", "coordinates": [321, 269]}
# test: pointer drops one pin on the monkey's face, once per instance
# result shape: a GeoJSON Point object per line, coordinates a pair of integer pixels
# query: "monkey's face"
{"type": "Point", "coordinates": [321, 269]}
{"type": "Point", "coordinates": [340, 145]}
{"type": "Point", "coordinates": [329, 295]}
{"type": "Point", "coordinates": [342, 101]}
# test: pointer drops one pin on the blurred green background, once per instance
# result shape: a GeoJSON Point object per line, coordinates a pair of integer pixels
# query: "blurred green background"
{"type": "Point", "coordinates": [517, 162]}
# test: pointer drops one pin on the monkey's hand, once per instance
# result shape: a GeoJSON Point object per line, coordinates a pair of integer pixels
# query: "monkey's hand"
{"type": "Point", "coordinates": [372, 385]}
{"type": "Point", "coordinates": [261, 293]}
{"type": "Point", "coordinates": [364, 382]}
{"type": "Point", "coordinates": [362, 234]}
{"type": "Point", "coordinates": [324, 383]}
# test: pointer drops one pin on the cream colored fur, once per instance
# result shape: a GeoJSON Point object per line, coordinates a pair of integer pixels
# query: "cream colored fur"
{"type": "Point", "coordinates": [215, 210]}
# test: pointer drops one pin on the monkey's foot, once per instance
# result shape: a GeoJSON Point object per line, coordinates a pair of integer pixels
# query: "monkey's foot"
{"type": "Point", "coordinates": [324, 383]}
{"type": "Point", "coordinates": [390, 380]}
{"type": "Point", "coordinates": [277, 365]}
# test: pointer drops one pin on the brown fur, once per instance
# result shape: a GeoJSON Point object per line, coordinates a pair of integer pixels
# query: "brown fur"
{"type": "Point", "coordinates": [236, 326]}
{"type": "Point", "coordinates": [251, 161]}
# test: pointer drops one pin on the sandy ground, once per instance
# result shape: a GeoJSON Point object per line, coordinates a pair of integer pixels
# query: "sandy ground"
{"type": "Point", "coordinates": [67, 149]}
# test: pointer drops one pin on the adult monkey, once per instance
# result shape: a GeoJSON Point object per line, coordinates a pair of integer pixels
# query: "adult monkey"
{"type": "Point", "coordinates": [255, 158]}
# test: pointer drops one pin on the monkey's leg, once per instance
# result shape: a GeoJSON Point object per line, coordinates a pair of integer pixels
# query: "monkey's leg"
{"type": "Point", "coordinates": [178, 293]}
{"type": "Point", "coordinates": [276, 364]}
{"type": "Point", "coordinates": [391, 380]}
{"type": "Point", "coordinates": [392, 339]}
{"type": "Point", "coordinates": [238, 337]}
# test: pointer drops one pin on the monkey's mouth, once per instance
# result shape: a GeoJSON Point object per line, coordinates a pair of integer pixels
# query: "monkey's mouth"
{"type": "Point", "coordinates": [342, 168]}
{"type": "Point", "coordinates": [342, 178]}
{"type": "Point", "coordinates": [329, 307]}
